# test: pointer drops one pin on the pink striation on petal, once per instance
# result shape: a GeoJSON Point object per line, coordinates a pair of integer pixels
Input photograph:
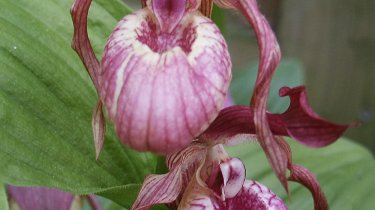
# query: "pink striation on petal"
{"type": "Point", "coordinates": [268, 60]}
{"type": "Point", "coordinates": [299, 122]}
{"type": "Point", "coordinates": [168, 188]}
{"type": "Point", "coordinates": [255, 196]}
{"type": "Point", "coordinates": [158, 189]}
{"type": "Point", "coordinates": [40, 198]}
{"type": "Point", "coordinates": [189, 160]}
{"type": "Point", "coordinates": [162, 90]}
{"type": "Point", "coordinates": [168, 13]}
{"type": "Point", "coordinates": [305, 177]}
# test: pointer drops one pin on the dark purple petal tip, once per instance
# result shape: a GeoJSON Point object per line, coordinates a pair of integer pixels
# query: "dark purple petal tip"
{"type": "Point", "coordinates": [299, 121]}
{"type": "Point", "coordinates": [304, 125]}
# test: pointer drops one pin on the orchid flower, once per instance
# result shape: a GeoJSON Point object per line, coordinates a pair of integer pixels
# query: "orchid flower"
{"type": "Point", "coordinates": [41, 198]}
{"type": "Point", "coordinates": [164, 74]}
{"type": "Point", "coordinates": [163, 78]}
{"type": "Point", "coordinates": [204, 175]}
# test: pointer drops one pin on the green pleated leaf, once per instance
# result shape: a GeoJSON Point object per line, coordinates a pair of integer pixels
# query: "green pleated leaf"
{"type": "Point", "coordinates": [345, 171]}
{"type": "Point", "coordinates": [3, 198]}
{"type": "Point", "coordinates": [289, 73]}
{"type": "Point", "coordinates": [46, 101]}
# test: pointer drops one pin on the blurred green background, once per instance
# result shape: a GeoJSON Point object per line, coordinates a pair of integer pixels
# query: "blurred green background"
{"type": "Point", "coordinates": [334, 40]}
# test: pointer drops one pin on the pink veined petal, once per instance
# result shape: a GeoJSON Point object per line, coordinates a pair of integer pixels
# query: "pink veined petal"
{"type": "Point", "coordinates": [254, 195]}
{"type": "Point", "coordinates": [163, 91]}
{"type": "Point", "coordinates": [169, 13]}
{"type": "Point", "coordinates": [299, 122]}
{"type": "Point", "coordinates": [168, 187]}
{"type": "Point", "coordinates": [305, 177]}
{"type": "Point", "coordinates": [81, 43]}
{"type": "Point", "coordinates": [98, 126]}
{"type": "Point", "coordinates": [268, 60]}
{"type": "Point", "coordinates": [158, 189]}
{"type": "Point", "coordinates": [189, 160]}
{"type": "Point", "coordinates": [40, 198]}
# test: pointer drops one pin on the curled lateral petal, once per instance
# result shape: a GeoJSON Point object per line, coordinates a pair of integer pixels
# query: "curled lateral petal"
{"type": "Point", "coordinates": [167, 188]}
{"type": "Point", "coordinates": [299, 122]}
{"type": "Point", "coordinates": [306, 126]}
{"type": "Point", "coordinates": [269, 58]}
{"type": "Point", "coordinates": [305, 177]}
{"type": "Point", "coordinates": [81, 43]}
{"type": "Point", "coordinates": [98, 127]}
{"type": "Point", "coordinates": [189, 160]}
{"type": "Point", "coordinates": [40, 198]}
{"type": "Point", "coordinates": [162, 90]}
{"type": "Point", "coordinates": [254, 195]}
{"type": "Point", "coordinates": [158, 189]}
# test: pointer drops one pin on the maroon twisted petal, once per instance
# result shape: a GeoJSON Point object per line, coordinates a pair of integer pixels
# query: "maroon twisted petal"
{"type": "Point", "coordinates": [299, 122]}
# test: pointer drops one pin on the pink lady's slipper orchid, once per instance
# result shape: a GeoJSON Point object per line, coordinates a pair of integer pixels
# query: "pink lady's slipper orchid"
{"type": "Point", "coordinates": [164, 74]}
{"type": "Point", "coordinates": [40, 198]}
{"type": "Point", "coordinates": [163, 78]}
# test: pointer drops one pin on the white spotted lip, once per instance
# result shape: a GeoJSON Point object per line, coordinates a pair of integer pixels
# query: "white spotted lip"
{"type": "Point", "coordinates": [163, 89]}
